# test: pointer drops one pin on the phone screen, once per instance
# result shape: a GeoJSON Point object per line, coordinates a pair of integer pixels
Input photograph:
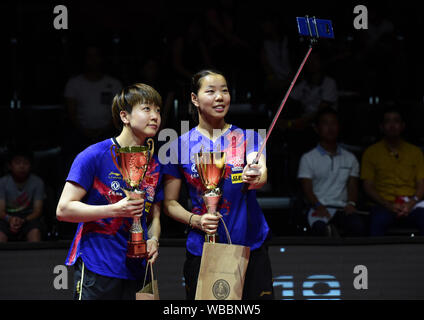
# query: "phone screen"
{"type": "Point", "coordinates": [324, 27]}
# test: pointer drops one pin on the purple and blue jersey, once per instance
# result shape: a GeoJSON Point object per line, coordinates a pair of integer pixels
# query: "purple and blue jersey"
{"type": "Point", "coordinates": [241, 212]}
{"type": "Point", "coordinates": [102, 244]}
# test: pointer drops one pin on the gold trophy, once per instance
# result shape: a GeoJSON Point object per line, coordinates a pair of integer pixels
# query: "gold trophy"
{"type": "Point", "coordinates": [211, 168]}
{"type": "Point", "coordinates": [132, 163]}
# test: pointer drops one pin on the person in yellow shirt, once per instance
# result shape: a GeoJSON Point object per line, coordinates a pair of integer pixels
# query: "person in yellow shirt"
{"type": "Point", "coordinates": [393, 177]}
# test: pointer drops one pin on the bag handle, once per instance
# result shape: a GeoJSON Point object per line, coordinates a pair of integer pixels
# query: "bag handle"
{"type": "Point", "coordinates": [229, 241]}
{"type": "Point", "coordinates": [233, 147]}
{"type": "Point", "coordinates": [226, 231]}
{"type": "Point", "coordinates": [149, 263]}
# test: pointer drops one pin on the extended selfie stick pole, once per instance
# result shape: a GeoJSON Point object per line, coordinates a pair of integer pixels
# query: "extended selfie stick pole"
{"type": "Point", "coordinates": [313, 39]}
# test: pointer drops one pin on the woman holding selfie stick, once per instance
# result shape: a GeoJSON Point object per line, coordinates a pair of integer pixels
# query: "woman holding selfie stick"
{"type": "Point", "coordinates": [241, 212]}
{"type": "Point", "coordinates": [92, 197]}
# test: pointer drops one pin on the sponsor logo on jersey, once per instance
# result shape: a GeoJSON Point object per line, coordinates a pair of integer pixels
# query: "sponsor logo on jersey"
{"type": "Point", "coordinates": [150, 193]}
{"type": "Point", "coordinates": [236, 178]}
{"type": "Point", "coordinates": [237, 163]}
{"type": "Point", "coordinates": [147, 207]}
{"type": "Point", "coordinates": [114, 175]}
{"type": "Point", "coordinates": [115, 185]}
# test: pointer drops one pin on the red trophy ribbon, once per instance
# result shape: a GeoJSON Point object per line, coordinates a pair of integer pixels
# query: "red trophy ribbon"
{"type": "Point", "coordinates": [211, 168]}
{"type": "Point", "coordinates": [132, 163]}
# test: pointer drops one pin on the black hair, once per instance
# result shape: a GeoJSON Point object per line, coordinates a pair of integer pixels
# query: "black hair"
{"type": "Point", "coordinates": [196, 83]}
{"type": "Point", "coordinates": [324, 111]}
{"type": "Point", "coordinates": [138, 93]}
{"type": "Point", "coordinates": [15, 152]}
{"type": "Point", "coordinates": [391, 109]}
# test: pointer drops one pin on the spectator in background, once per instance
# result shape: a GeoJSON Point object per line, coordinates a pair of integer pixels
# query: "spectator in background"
{"type": "Point", "coordinates": [329, 178]}
{"type": "Point", "coordinates": [231, 43]}
{"type": "Point", "coordinates": [393, 177]}
{"type": "Point", "coordinates": [88, 97]}
{"type": "Point", "coordinates": [275, 60]}
{"type": "Point", "coordinates": [189, 51]}
{"type": "Point", "coordinates": [150, 74]}
{"type": "Point", "coordinates": [189, 54]}
{"type": "Point", "coordinates": [226, 45]}
{"type": "Point", "coordinates": [314, 92]}
{"type": "Point", "coordinates": [377, 48]}
{"type": "Point", "coordinates": [21, 200]}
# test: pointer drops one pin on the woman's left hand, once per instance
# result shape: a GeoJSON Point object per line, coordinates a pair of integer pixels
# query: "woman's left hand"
{"type": "Point", "coordinates": [152, 250]}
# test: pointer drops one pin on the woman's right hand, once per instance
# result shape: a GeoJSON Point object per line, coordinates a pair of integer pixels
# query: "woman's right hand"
{"type": "Point", "coordinates": [128, 208]}
{"type": "Point", "coordinates": [209, 222]}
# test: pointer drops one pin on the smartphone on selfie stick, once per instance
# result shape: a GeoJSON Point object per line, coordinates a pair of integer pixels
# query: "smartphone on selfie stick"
{"type": "Point", "coordinates": [313, 29]}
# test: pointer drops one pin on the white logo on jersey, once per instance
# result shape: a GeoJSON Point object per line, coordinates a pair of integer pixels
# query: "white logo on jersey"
{"type": "Point", "coordinates": [193, 168]}
{"type": "Point", "coordinates": [115, 185]}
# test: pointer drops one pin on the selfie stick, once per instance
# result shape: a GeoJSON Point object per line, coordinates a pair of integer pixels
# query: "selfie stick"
{"type": "Point", "coordinates": [313, 39]}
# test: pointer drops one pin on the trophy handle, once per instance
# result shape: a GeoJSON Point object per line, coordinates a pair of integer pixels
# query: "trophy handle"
{"type": "Point", "coordinates": [113, 147]}
{"type": "Point", "coordinates": [224, 159]}
{"type": "Point", "coordinates": [151, 145]}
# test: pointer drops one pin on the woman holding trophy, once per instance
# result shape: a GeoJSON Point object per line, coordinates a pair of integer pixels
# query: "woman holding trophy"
{"type": "Point", "coordinates": [113, 187]}
{"type": "Point", "coordinates": [228, 151]}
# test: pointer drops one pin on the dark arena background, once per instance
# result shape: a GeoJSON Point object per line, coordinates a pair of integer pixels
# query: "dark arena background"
{"type": "Point", "coordinates": [162, 43]}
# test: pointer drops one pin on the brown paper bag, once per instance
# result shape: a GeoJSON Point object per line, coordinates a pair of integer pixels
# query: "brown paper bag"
{"type": "Point", "coordinates": [149, 291]}
{"type": "Point", "coordinates": [222, 272]}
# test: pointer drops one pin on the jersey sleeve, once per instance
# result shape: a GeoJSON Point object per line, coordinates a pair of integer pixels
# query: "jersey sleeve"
{"type": "Point", "coordinates": [355, 168]}
{"type": "Point", "coordinates": [420, 165]}
{"type": "Point", "coordinates": [305, 170]}
{"type": "Point", "coordinates": [367, 166]}
{"type": "Point", "coordinates": [39, 189]}
{"type": "Point", "coordinates": [83, 169]}
{"type": "Point", "coordinates": [159, 195]}
{"type": "Point", "coordinates": [70, 89]}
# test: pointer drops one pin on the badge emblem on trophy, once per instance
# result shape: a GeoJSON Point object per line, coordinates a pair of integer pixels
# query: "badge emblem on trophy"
{"type": "Point", "coordinates": [211, 168]}
{"type": "Point", "coordinates": [132, 162]}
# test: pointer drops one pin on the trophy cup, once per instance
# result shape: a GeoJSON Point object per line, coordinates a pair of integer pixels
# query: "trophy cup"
{"type": "Point", "coordinates": [211, 168]}
{"type": "Point", "coordinates": [132, 163]}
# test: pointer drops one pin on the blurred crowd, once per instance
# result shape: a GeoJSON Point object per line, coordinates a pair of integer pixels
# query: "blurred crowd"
{"type": "Point", "coordinates": [57, 101]}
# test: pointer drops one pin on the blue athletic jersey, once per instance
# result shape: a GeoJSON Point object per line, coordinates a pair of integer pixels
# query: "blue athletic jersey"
{"type": "Point", "coordinates": [241, 212]}
{"type": "Point", "coordinates": [102, 244]}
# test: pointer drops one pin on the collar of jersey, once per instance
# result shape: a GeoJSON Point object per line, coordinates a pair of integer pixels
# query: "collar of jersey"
{"type": "Point", "coordinates": [222, 134]}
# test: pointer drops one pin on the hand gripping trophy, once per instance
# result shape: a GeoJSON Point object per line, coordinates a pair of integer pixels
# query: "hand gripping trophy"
{"type": "Point", "coordinates": [211, 168]}
{"type": "Point", "coordinates": [132, 163]}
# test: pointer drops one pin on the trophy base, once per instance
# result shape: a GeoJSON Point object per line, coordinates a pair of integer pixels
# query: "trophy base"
{"type": "Point", "coordinates": [137, 249]}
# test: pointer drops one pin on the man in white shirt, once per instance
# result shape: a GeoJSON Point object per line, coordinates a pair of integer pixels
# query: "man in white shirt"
{"type": "Point", "coordinates": [89, 97]}
{"type": "Point", "coordinates": [329, 178]}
